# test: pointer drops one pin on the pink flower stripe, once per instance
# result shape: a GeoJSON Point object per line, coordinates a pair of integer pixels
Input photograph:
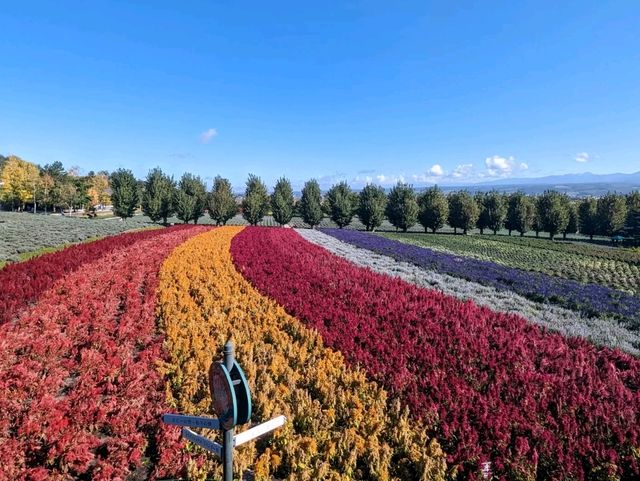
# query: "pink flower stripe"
{"type": "Point", "coordinates": [495, 388]}
{"type": "Point", "coordinates": [21, 283]}
{"type": "Point", "coordinates": [81, 397]}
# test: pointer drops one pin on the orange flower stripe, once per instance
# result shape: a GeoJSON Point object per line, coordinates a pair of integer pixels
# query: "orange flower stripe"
{"type": "Point", "coordinates": [340, 425]}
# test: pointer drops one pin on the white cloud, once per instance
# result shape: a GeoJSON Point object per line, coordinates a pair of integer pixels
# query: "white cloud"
{"type": "Point", "coordinates": [463, 170]}
{"type": "Point", "coordinates": [498, 166]}
{"type": "Point", "coordinates": [495, 167]}
{"type": "Point", "coordinates": [582, 157]}
{"type": "Point", "coordinates": [207, 135]}
{"type": "Point", "coordinates": [389, 179]}
{"type": "Point", "coordinates": [436, 170]}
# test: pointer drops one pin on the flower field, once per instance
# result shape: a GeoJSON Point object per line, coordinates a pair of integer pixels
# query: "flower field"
{"type": "Point", "coordinates": [386, 369]}
{"type": "Point", "coordinates": [341, 426]}
{"type": "Point", "coordinates": [82, 397]}
{"type": "Point", "coordinates": [591, 299]}
{"type": "Point", "coordinates": [600, 331]}
{"type": "Point", "coordinates": [23, 282]}
{"type": "Point", "coordinates": [581, 266]}
{"type": "Point", "coordinates": [535, 404]}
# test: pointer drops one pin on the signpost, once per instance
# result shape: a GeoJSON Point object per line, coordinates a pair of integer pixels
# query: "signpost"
{"type": "Point", "coordinates": [232, 402]}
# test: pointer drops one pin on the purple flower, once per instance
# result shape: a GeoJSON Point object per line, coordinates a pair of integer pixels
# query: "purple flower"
{"type": "Point", "coordinates": [590, 299]}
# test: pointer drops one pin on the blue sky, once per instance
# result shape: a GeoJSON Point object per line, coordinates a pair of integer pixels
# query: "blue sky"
{"type": "Point", "coordinates": [447, 92]}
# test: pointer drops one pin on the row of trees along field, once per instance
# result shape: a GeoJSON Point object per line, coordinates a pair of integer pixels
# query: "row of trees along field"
{"type": "Point", "coordinates": [551, 212]}
{"type": "Point", "coordinates": [160, 197]}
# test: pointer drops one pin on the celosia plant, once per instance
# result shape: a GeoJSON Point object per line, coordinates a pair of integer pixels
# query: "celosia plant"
{"type": "Point", "coordinates": [81, 396]}
{"type": "Point", "coordinates": [340, 425]}
{"type": "Point", "coordinates": [535, 404]}
{"type": "Point", "coordinates": [21, 283]}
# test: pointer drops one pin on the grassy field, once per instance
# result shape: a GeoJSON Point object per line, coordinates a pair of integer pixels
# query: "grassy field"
{"type": "Point", "coordinates": [617, 268]}
{"type": "Point", "coordinates": [23, 235]}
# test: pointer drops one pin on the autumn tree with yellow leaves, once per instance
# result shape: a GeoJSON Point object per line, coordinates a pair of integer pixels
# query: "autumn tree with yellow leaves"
{"type": "Point", "coordinates": [98, 191]}
{"type": "Point", "coordinates": [19, 183]}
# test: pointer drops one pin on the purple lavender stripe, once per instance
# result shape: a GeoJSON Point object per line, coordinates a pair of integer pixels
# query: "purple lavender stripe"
{"type": "Point", "coordinates": [591, 299]}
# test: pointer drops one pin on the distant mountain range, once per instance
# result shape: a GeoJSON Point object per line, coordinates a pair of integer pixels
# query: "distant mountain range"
{"type": "Point", "coordinates": [575, 185]}
{"type": "Point", "coordinates": [584, 178]}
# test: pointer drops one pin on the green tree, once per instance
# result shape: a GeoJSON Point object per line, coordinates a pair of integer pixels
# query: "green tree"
{"type": "Point", "coordinates": [402, 207]}
{"type": "Point", "coordinates": [311, 203]}
{"type": "Point", "coordinates": [553, 211]}
{"type": "Point", "coordinates": [59, 175]}
{"type": "Point", "coordinates": [612, 214]}
{"type": "Point", "coordinates": [255, 204]}
{"type": "Point", "coordinates": [572, 224]}
{"type": "Point", "coordinates": [340, 204]}
{"type": "Point", "coordinates": [372, 202]}
{"type": "Point", "coordinates": [222, 202]}
{"type": "Point", "coordinates": [463, 211]}
{"type": "Point", "coordinates": [632, 225]}
{"type": "Point", "coordinates": [190, 198]}
{"type": "Point", "coordinates": [124, 193]}
{"type": "Point", "coordinates": [483, 212]}
{"type": "Point", "coordinates": [282, 201]}
{"type": "Point", "coordinates": [183, 205]}
{"type": "Point", "coordinates": [588, 217]}
{"type": "Point", "coordinates": [520, 213]}
{"type": "Point", "coordinates": [513, 202]}
{"type": "Point", "coordinates": [495, 208]}
{"type": "Point", "coordinates": [433, 209]}
{"type": "Point", "coordinates": [158, 196]}
{"type": "Point", "coordinates": [536, 223]}
{"type": "Point", "coordinates": [525, 214]}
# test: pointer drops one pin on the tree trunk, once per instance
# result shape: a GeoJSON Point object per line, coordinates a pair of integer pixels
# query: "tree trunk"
{"type": "Point", "coordinates": [455, 230]}
{"type": "Point", "coordinates": [433, 230]}
{"type": "Point", "coordinates": [464, 231]}
{"type": "Point", "coordinates": [590, 236]}
{"type": "Point", "coordinates": [521, 234]}
{"type": "Point", "coordinates": [564, 236]}
{"type": "Point", "coordinates": [481, 230]}
{"type": "Point", "coordinates": [509, 231]}
{"type": "Point", "coordinates": [495, 232]}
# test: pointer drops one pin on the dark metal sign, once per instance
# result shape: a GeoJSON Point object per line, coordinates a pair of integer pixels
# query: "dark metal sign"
{"type": "Point", "coordinates": [223, 395]}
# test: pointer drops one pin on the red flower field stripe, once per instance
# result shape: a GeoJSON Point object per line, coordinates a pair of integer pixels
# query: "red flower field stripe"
{"type": "Point", "coordinates": [21, 283]}
{"type": "Point", "coordinates": [539, 406]}
{"type": "Point", "coordinates": [81, 396]}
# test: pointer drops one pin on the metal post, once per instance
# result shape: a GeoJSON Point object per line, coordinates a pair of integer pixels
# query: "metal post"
{"type": "Point", "coordinates": [227, 434]}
